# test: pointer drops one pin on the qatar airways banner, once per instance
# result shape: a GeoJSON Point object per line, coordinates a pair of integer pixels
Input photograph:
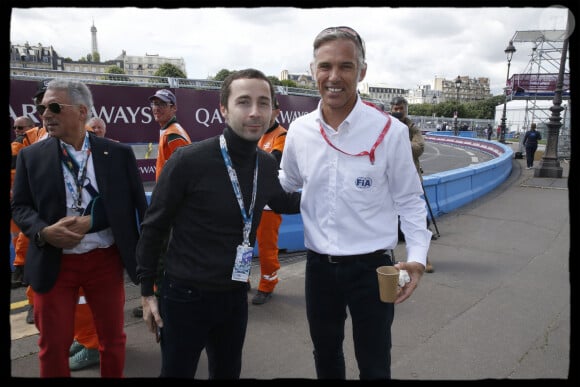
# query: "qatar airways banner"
{"type": "Point", "coordinates": [543, 85]}
{"type": "Point", "coordinates": [126, 110]}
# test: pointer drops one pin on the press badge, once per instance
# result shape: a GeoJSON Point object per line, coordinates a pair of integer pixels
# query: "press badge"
{"type": "Point", "coordinates": [243, 263]}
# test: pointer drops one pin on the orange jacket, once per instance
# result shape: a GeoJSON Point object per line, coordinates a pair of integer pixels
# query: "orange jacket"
{"type": "Point", "coordinates": [31, 136]}
{"type": "Point", "coordinates": [171, 138]}
{"type": "Point", "coordinates": [273, 140]}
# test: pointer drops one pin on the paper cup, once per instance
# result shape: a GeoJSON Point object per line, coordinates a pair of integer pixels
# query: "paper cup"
{"type": "Point", "coordinates": [388, 283]}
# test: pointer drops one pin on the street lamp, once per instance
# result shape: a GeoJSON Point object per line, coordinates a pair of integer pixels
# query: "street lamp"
{"type": "Point", "coordinates": [457, 87]}
{"type": "Point", "coordinates": [509, 52]}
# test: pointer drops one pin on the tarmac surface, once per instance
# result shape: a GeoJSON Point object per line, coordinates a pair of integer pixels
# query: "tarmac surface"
{"type": "Point", "coordinates": [498, 305]}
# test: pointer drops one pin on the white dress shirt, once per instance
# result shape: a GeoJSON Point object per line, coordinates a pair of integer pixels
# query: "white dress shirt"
{"type": "Point", "coordinates": [350, 206]}
{"type": "Point", "coordinates": [99, 239]}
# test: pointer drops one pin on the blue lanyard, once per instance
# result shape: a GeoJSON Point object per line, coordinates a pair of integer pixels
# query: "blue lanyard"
{"type": "Point", "coordinates": [77, 173]}
{"type": "Point", "coordinates": [236, 185]}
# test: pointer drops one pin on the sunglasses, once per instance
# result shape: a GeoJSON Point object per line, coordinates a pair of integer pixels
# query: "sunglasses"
{"type": "Point", "coordinates": [20, 127]}
{"type": "Point", "coordinates": [349, 31]}
{"type": "Point", "coordinates": [54, 107]}
{"type": "Point", "coordinates": [160, 104]}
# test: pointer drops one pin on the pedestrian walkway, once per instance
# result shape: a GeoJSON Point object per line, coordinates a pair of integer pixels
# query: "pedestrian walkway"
{"type": "Point", "coordinates": [496, 307]}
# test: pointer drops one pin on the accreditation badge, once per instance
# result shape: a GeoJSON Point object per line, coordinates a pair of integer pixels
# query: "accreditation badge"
{"type": "Point", "coordinates": [243, 263]}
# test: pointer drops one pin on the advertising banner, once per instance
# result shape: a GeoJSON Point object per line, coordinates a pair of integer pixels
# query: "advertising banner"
{"type": "Point", "coordinates": [126, 111]}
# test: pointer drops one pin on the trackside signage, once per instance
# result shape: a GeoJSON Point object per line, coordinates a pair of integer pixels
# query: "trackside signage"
{"type": "Point", "coordinates": [126, 110]}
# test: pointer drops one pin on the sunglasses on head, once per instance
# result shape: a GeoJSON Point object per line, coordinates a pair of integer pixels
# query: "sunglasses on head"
{"type": "Point", "coordinates": [348, 30]}
{"type": "Point", "coordinates": [53, 107]}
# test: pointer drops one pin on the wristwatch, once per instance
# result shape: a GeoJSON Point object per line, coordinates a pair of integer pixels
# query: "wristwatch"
{"type": "Point", "coordinates": [39, 240]}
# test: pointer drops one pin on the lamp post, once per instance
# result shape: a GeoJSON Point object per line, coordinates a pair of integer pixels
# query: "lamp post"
{"type": "Point", "coordinates": [509, 52]}
{"type": "Point", "coordinates": [457, 87]}
{"type": "Point", "coordinates": [549, 164]}
{"type": "Point", "coordinates": [434, 102]}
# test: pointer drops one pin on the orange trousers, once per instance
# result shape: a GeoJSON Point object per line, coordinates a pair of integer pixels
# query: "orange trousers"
{"type": "Point", "coordinates": [14, 232]}
{"type": "Point", "coordinates": [267, 236]}
{"type": "Point", "coordinates": [85, 331]}
{"type": "Point", "coordinates": [20, 249]}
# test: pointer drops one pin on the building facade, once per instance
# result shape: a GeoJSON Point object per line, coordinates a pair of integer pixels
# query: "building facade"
{"type": "Point", "coordinates": [39, 57]}
{"type": "Point", "coordinates": [147, 64]}
{"type": "Point", "coordinates": [304, 80]}
{"type": "Point", "coordinates": [382, 93]}
{"type": "Point", "coordinates": [470, 89]}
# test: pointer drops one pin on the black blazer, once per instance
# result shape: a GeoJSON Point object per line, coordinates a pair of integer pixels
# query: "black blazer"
{"type": "Point", "coordinates": [39, 200]}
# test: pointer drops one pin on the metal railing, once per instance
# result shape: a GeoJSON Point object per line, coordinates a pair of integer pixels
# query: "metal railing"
{"type": "Point", "coordinates": [27, 74]}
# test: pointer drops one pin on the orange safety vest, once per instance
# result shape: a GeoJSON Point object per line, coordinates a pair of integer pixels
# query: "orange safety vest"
{"type": "Point", "coordinates": [167, 147]}
{"type": "Point", "coordinates": [274, 140]}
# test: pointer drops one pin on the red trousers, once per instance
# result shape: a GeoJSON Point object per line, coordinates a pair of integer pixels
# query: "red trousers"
{"type": "Point", "coordinates": [267, 236]}
{"type": "Point", "coordinates": [100, 273]}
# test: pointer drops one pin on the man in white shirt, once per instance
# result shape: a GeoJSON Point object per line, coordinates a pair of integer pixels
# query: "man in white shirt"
{"type": "Point", "coordinates": [355, 167]}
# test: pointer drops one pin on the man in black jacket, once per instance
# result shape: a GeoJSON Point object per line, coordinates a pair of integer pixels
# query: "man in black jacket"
{"type": "Point", "coordinates": [79, 199]}
{"type": "Point", "coordinates": [210, 197]}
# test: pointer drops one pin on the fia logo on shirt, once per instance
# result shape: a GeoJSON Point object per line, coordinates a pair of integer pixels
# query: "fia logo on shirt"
{"type": "Point", "coordinates": [363, 182]}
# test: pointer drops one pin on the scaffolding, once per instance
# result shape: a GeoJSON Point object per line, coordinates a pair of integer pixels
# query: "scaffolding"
{"type": "Point", "coordinates": [537, 83]}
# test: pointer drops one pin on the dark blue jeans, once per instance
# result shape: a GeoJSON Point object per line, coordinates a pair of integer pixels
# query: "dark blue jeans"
{"type": "Point", "coordinates": [330, 289]}
{"type": "Point", "coordinates": [195, 319]}
{"type": "Point", "coordinates": [530, 153]}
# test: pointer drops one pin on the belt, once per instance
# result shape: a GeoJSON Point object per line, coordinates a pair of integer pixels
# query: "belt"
{"type": "Point", "coordinates": [349, 258]}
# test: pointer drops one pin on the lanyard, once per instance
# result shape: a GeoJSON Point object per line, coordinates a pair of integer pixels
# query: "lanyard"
{"type": "Point", "coordinates": [78, 174]}
{"type": "Point", "coordinates": [237, 190]}
{"type": "Point", "coordinates": [371, 154]}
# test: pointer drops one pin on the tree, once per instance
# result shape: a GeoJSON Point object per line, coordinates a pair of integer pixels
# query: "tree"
{"type": "Point", "coordinates": [96, 57]}
{"type": "Point", "coordinates": [169, 70]}
{"type": "Point", "coordinates": [288, 83]}
{"type": "Point", "coordinates": [113, 70]}
{"type": "Point", "coordinates": [275, 81]}
{"type": "Point", "coordinates": [222, 74]}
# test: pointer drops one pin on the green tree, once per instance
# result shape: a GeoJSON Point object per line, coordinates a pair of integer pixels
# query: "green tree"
{"type": "Point", "coordinates": [96, 57]}
{"type": "Point", "coordinates": [222, 74]}
{"type": "Point", "coordinates": [115, 72]}
{"type": "Point", "coordinates": [169, 70]}
{"type": "Point", "coordinates": [275, 81]}
{"type": "Point", "coordinates": [288, 83]}
{"type": "Point", "coordinates": [421, 109]}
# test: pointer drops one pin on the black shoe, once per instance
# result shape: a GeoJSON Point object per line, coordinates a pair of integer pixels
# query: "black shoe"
{"type": "Point", "coordinates": [17, 277]}
{"type": "Point", "coordinates": [138, 311]}
{"type": "Point", "coordinates": [261, 298]}
{"type": "Point", "coordinates": [30, 315]}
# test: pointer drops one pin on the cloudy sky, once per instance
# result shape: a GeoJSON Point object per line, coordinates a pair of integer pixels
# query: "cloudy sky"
{"type": "Point", "coordinates": [406, 47]}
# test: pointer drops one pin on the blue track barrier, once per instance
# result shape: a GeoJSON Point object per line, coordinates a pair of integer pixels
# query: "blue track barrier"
{"type": "Point", "coordinates": [446, 191]}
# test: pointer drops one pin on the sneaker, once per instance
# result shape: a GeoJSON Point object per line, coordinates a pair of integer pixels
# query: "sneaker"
{"type": "Point", "coordinates": [74, 348]}
{"type": "Point", "coordinates": [17, 277]}
{"type": "Point", "coordinates": [84, 358]}
{"type": "Point", "coordinates": [261, 297]}
{"type": "Point", "coordinates": [138, 311]}
{"type": "Point", "coordinates": [429, 267]}
{"type": "Point", "coordinates": [30, 315]}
